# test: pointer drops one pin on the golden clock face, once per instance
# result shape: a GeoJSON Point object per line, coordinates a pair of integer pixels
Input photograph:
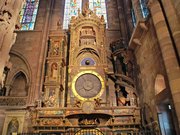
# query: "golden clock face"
{"type": "Point", "coordinates": [87, 85]}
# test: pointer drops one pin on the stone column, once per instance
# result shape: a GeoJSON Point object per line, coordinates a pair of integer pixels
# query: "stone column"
{"type": "Point", "coordinates": [9, 18]}
{"type": "Point", "coordinates": [123, 24]}
{"type": "Point", "coordinates": [129, 18]}
{"type": "Point", "coordinates": [168, 53]}
{"type": "Point", "coordinates": [35, 92]}
{"type": "Point", "coordinates": [173, 22]}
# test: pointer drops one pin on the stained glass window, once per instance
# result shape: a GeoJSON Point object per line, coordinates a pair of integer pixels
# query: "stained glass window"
{"type": "Point", "coordinates": [144, 8]}
{"type": "Point", "coordinates": [133, 17]}
{"type": "Point", "coordinates": [100, 7]}
{"type": "Point", "coordinates": [71, 9]}
{"type": "Point", "coordinates": [28, 14]}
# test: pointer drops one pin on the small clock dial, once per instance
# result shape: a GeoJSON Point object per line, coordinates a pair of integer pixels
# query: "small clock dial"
{"type": "Point", "coordinates": [88, 85]}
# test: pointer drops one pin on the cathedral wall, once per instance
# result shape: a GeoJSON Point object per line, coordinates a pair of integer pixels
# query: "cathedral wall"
{"type": "Point", "coordinates": [57, 15]}
{"type": "Point", "coordinates": [41, 16]}
{"type": "Point", "coordinates": [2, 118]}
{"type": "Point", "coordinates": [29, 46]}
{"type": "Point", "coordinates": [26, 44]}
{"type": "Point", "coordinates": [150, 63]}
{"type": "Point", "coordinates": [112, 14]}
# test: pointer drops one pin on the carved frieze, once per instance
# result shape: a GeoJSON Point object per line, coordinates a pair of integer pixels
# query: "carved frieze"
{"type": "Point", "coordinates": [12, 101]}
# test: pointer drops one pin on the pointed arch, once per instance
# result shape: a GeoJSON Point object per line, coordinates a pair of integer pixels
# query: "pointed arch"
{"type": "Point", "coordinates": [13, 126]}
{"type": "Point", "coordinates": [19, 85]}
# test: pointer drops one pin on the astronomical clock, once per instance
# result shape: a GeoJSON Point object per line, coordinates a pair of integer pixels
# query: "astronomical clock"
{"type": "Point", "coordinates": [81, 94]}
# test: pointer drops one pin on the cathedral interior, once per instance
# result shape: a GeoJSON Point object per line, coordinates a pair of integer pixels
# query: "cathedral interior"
{"type": "Point", "coordinates": [90, 67]}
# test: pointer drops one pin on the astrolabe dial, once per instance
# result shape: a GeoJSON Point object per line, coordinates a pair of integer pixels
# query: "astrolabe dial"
{"type": "Point", "coordinates": [87, 85]}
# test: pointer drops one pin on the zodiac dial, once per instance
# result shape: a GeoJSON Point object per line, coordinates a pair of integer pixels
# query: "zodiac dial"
{"type": "Point", "coordinates": [87, 85]}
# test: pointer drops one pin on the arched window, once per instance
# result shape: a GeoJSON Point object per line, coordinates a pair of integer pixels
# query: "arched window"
{"type": "Point", "coordinates": [28, 14]}
{"type": "Point", "coordinates": [133, 16]}
{"type": "Point", "coordinates": [144, 8]}
{"type": "Point", "coordinates": [71, 9]}
{"type": "Point", "coordinates": [100, 7]}
{"type": "Point", "coordinates": [159, 84]}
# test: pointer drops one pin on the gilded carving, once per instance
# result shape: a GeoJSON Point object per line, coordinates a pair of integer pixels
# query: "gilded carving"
{"type": "Point", "coordinates": [86, 91]}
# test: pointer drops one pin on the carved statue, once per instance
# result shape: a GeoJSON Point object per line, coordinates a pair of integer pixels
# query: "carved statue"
{"type": "Point", "coordinates": [133, 99]}
{"type": "Point", "coordinates": [120, 65]}
{"type": "Point", "coordinates": [51, 101]}
{"type": "Point", "coordinates": [59, 24]}
{"type": "Point", "coordinates": [55, 49]}
{"type": "Point", "coordinates": [121, 99]}
{"type": "Point", "coordinates": [86, 10]}
{"type": "Point", "coordinates": [13, 126]}
{"type": "Point", "coordinates": [54, 70]}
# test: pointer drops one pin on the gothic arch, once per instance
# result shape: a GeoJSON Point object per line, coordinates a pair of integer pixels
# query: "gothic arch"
{"type": "Point", "coordinates": [23, 59]}
{"type": "Point", "coordinates": [19, 85]}
{"type": "Point", "coordinates": [159, 84]}
{"type": "Point", "coordinates": [20, 72]}
{"type": "Point", "coordinates": [85, 49]}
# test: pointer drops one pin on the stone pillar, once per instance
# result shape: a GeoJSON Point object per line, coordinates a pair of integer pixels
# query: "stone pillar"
{"type": "Point", "coordinates": [123, 24]}
{"type": "Point", "coordinates": [173, 22]}
{"type": "Point", "coordinates": [168, 53]}
{"type": "Point", "coordinates": [137, 9]}
{"type": "Point", "coordinates": [9, 18]}
{"type": "Point", "coordinates": [35, 92]}
{"type": "Point", "coordinates": [129, 18]}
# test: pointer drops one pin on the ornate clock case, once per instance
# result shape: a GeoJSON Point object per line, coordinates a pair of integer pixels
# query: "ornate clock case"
{"type": "Point", "coordinates": [78, 91]}
{"type": "Point", "coordinates": [87, 60]}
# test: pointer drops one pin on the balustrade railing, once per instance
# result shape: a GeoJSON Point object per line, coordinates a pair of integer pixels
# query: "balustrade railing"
{"type": "Point", "coordinates": [90, 132]}
{"type": "Point", "coordinates": [12, 101]}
